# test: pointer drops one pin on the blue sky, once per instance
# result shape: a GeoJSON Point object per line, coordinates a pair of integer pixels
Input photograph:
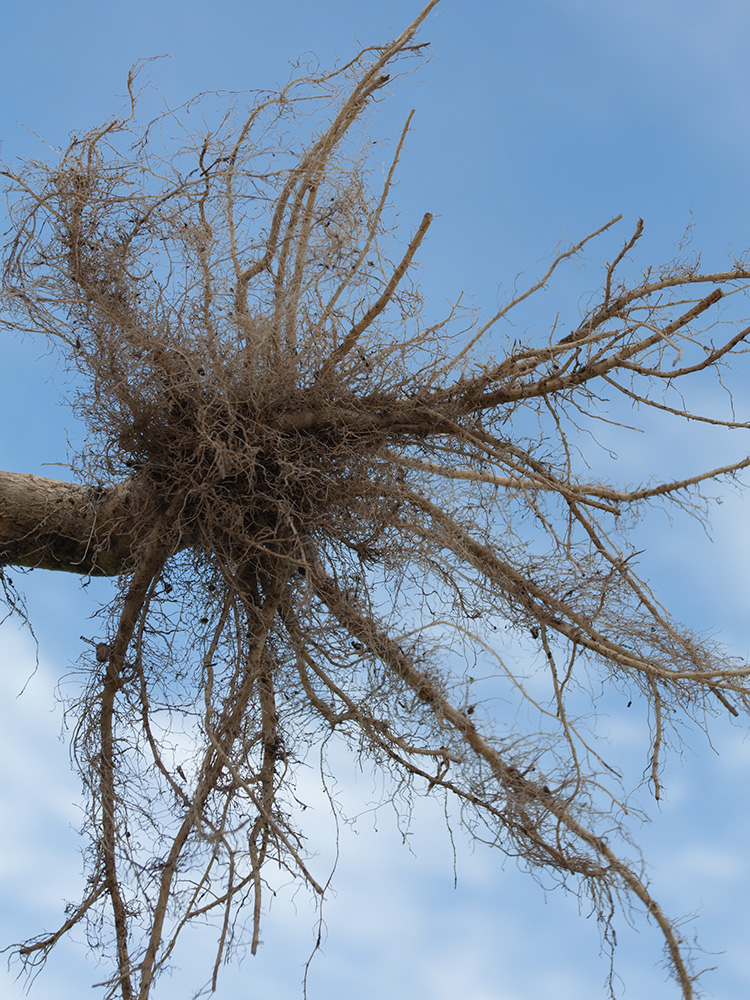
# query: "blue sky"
{"type": "Point", "coordinates": [534, 124]}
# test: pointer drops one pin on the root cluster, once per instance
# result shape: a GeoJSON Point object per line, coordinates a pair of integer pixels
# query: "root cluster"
{"type": "Point", "coordinates": [340, 508]}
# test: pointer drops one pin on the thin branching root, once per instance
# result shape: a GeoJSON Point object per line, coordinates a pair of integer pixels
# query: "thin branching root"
{"type": "Point", "coordinates": [338, 507]}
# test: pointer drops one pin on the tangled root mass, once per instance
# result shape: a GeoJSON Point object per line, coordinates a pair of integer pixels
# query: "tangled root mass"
{"type": "Point", "coordinates": [316, 471]}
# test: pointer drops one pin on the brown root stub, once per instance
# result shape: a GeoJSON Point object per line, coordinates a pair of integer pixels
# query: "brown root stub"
{"type": "Point", "coordinates": [48, 524]}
